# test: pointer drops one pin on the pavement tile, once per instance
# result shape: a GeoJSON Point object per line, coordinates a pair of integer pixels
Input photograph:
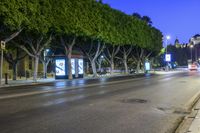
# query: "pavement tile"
{"type": "Point", "coordinates": [195, 127]}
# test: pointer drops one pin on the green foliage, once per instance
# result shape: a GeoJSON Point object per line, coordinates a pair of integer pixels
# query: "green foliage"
{"type": "Point", "coordinates": [83, 19]}
{"type": "Point", "coordinates": [11, 14]}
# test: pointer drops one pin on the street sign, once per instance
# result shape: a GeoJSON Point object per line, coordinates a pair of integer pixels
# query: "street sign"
{"type": "Point", "coordinates": [3, 45]}
{"type": "Point", "coordinates": [168, 57]}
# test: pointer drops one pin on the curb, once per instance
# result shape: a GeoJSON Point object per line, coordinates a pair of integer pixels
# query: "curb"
{"type": "Point", "coordinates": [193, 101]}
{"type": "Point", "coordinates": [187, 120]}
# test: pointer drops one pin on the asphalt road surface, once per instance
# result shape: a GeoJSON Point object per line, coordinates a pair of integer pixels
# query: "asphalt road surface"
{"type": "Point", "coordinates": [143, 104]}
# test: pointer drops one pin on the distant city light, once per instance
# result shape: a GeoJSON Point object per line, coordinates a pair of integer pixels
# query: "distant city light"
{"type": "Point", "coordinates": [47, 50]}
{"type": "Point", "coordinates": [168, 37]}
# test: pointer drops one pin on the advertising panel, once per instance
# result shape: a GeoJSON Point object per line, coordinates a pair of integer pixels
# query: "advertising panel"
{"type": "Point", "coordinates": [168, 57]}
{"type": "Point", "coordinates": [80, 66]}
{"type": "Point", "coordinates": [73, 66]}
{"type": "Point", "coordinates": [60, 67]}
{"type": "Point", "coordinates": [147, 66]}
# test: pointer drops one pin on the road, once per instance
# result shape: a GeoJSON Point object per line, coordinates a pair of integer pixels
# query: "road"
{"type": "Point", "coordinates": [144, 104]}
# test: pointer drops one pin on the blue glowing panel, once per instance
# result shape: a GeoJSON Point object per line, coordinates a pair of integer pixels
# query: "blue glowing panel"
{"type": "Point", "coordinates": [147, 66]}
{"type": "Point", "coordinates": [60, 67]}
{"type": "Point", "coordinates": [80, 66]}
{"type": "Point", "coordinates": [168, 57]}
{"type": "Point", "coordinates": [73, 66]}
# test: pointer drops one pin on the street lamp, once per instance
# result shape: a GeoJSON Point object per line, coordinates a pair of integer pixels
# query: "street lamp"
{"type": "Point", "coordinates": [167, 38]}
{"type": "Point", "coordinates": [101, 58]}
{"type": "Point", "coordinates": [45, 61]}
{"type": "Point", "coordinates": [191, 47]}
{"type": "Point", "coordinates": [2, 47]}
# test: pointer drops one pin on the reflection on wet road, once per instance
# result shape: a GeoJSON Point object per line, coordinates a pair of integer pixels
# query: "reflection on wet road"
{"type": "Point", "coordinates": [107, 105]}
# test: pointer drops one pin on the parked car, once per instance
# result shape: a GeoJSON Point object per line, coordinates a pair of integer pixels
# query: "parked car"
{"type": "Point", "coordinates": [193, 67]}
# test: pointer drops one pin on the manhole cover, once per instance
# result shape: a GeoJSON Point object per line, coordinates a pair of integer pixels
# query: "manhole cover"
{"type": "Point", "coordinates": [134, 101]}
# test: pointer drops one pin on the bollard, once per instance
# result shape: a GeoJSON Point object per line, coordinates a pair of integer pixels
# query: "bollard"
{"type": "Point", "coordinates": [6, 78]}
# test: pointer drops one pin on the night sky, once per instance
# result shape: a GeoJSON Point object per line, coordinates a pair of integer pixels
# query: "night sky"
{"type": "Point", "coordinates": [177, 18]}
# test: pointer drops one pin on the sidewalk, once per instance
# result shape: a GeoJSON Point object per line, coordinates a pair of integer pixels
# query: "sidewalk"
{"type": "Point", "coordinates": [24, 81]}
{"type": "Point", "coordinates": [195, 126]}
{"type": "Point", "coordinates": [191, 123]}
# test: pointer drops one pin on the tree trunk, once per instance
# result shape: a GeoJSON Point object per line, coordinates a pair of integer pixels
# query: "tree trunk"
{"type": "Point", "coordinates": [36, 61]}
{"type": "Point", "coordinates": [112, 66]}
{"type": "Point", "coordinates": [138, 66]}
{"type": "Point", "coordinates": [94, 70]}
{"type": "Point", "coordinates": [87, 68]}
{"type": "Point", "coordinates": [14, 65]}
{"type": "Point", "coordinates": [125, 66]}
{"type": "Point", "coordinates": [69, 56]}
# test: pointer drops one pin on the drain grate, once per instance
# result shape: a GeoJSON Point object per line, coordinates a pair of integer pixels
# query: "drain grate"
{"type": "Point", "coordinates": [134, 101]}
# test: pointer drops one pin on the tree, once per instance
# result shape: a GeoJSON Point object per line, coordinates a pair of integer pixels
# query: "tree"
{"type": "Point", "coordinates": [46, 59]}
{"type": "Point", "coordinates": [125, 51]}
{"type": "Point", "coordinates": [110, 54]}
{"type": "Point", "coordinates": [37, 34]}
{"type": "Point", "coordinates": [13, 19]}
{"type": "Point", "coordinates": [147, 20]}
{"type": "Point", "coordinates": [137, 15]}
{"type": "Point", "coordinates": [13, 56]}
{"type": "Point", "coordinates": [34, 46]}
{"type": "Point", "coordinates": [93, 51]}
{"type": "Point", "coordinates": [71, 21]}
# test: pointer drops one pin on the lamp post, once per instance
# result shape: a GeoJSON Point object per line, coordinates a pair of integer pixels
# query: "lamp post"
{"type": "Point", "coordinates": [167, 38]}
{"type": "Point", "coordinates": [3, 44]}
{"type": "Point", "coordinates": [45, 61]}
{"type": "Point", "coordinates": [100, 63]}
{"type": "Point", "coordinates": [191, 47]}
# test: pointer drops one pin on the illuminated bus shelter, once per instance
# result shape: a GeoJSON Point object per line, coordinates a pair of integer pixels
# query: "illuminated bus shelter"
{"type": "Point", "coordinates": [61, 68]}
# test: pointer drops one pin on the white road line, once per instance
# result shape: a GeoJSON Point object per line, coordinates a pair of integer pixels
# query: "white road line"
{"type": "Point", "coordinates": [64, 89]}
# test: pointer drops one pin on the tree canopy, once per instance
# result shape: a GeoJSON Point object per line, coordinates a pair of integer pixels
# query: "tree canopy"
{"type": "Point", "coordinates": [72, 20]}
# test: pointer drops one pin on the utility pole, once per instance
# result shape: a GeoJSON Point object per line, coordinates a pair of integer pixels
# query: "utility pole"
{"type": "Point", "coordinates": [167, 38]}
{"type": "Point", "coordinates": [3, 44]}
{"type": "Point", "coordinates": [196, 48]}
{"type": "Point", "coordinates": [191, 48]}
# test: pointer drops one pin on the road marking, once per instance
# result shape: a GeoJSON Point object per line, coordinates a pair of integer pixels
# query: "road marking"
{"type": "Point", "coordinates": [71, 88]}
{"type": "Point", "coordinates": [64, 89]}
